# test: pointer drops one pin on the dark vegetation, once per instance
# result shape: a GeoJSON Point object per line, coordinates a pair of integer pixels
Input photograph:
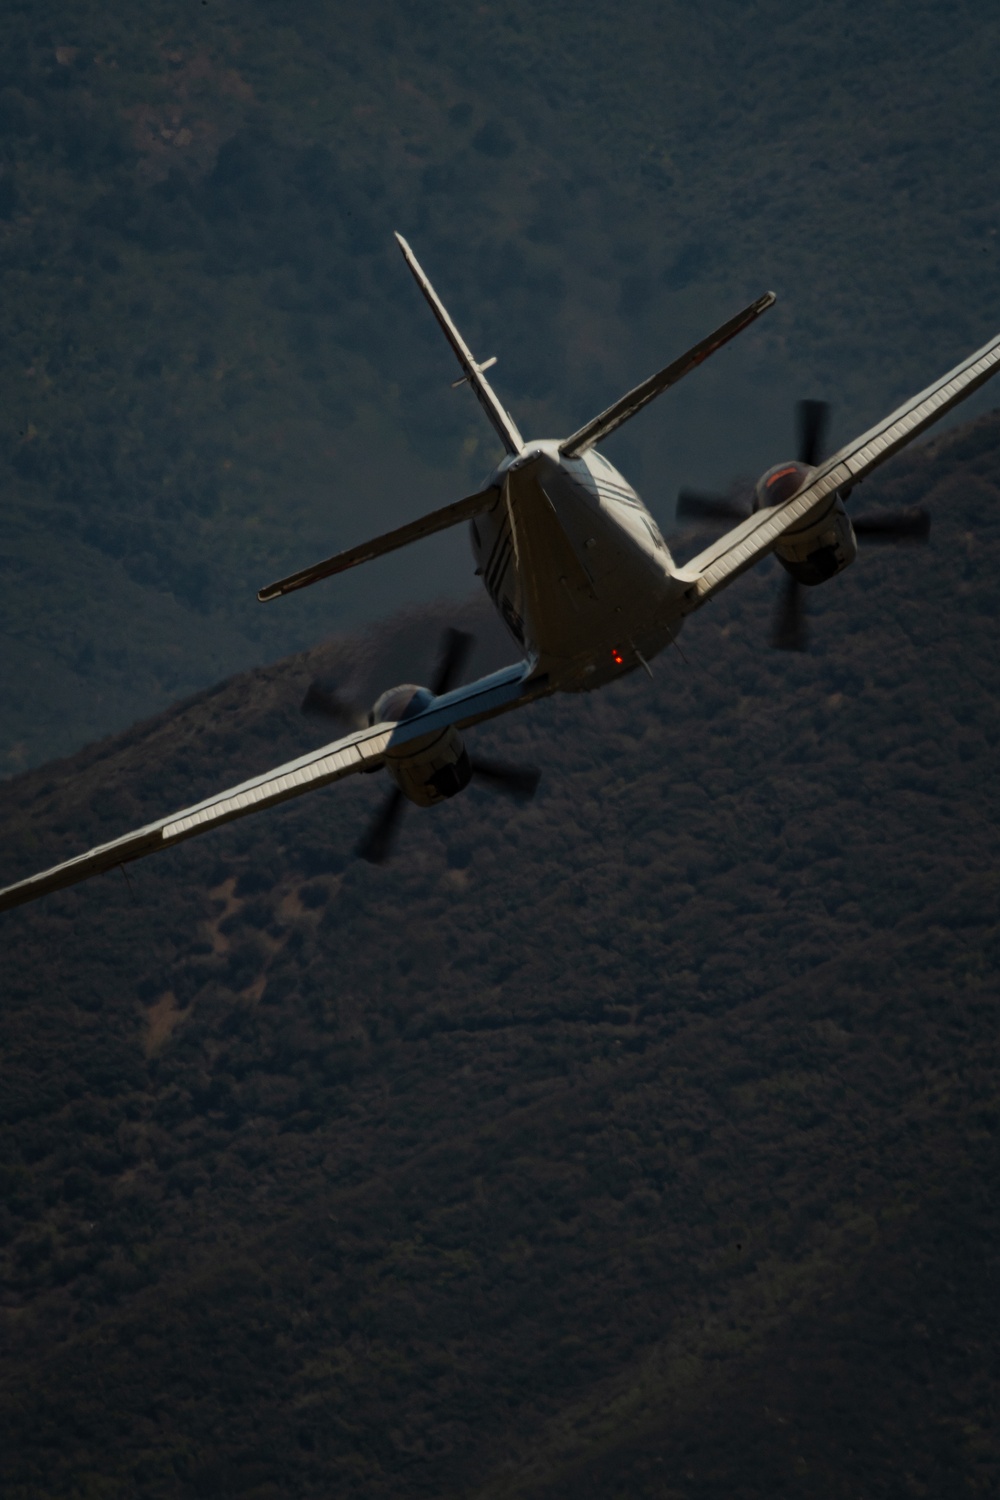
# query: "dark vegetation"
{"type": "Point", "coordinates": [642, 1143]}
{"type": "Point", "coordinates": [213, 363]}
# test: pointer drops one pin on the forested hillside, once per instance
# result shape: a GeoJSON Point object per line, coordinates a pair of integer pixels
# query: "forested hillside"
{"type": "Point", "coordinates": [643, 1142]}
{"type": "Point", "coordinates": [214, 366]}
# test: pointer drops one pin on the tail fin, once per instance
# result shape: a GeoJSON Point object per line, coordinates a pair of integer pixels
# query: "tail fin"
{"type": "Point", "coordinates": [502, 421]}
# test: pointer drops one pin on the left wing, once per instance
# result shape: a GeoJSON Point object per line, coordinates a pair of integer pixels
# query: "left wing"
{"type": "Point", "coordinates": [362, 751]}
{"type": "Point", "coordinates": [745, 544]}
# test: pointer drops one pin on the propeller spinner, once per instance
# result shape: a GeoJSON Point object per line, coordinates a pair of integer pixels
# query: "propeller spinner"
{"type": "Point", "coordinates": [790, 629]}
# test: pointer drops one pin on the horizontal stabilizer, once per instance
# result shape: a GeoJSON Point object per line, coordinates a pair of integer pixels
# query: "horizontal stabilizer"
{"type": "Point", "coordinates": [599, 427]}
{"type": "Point", "coordinates": [414, 531]}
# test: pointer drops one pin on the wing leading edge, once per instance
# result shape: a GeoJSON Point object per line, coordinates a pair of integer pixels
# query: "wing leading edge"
{"type": "Point", "coordinates": [745, 544]}
{"type": "Point", "coordinates": [362, 751]}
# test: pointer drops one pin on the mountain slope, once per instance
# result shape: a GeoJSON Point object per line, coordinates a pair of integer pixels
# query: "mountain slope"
{"type": "Point", "coordinates": [640, 1142]}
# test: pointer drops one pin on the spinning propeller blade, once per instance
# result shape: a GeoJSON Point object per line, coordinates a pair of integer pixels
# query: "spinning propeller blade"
{"type": "Point", "coordinates": [324, 701]}
{"type": "Point", "coordinates": [812, 419]}
{"type": "Point", "coordinates": [520, 782]}
{"type": "Point", "coordinates": [790, 631]}
{"type": "Point", "coordinates": [455, 648]}
{"type": "Point", "coordinates": [376, 845]}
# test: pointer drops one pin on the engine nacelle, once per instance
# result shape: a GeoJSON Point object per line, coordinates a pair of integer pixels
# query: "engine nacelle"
{"type": "Point", "coordinates": [819, 547]}
{"type": "Point", "coordinates": [431, 768]}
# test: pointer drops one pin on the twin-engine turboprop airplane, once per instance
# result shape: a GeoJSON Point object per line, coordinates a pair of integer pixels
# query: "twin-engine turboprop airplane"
{"type": "Point", "coordinates": [581, 575]}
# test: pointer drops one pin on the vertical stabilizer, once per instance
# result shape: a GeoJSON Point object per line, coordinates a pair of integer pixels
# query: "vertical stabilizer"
{"type": "Point", "coordinates": [501, 420]}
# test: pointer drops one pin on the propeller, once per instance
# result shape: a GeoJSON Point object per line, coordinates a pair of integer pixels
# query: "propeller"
{"type": "Point", "coordinates": [455, 648]}
{"type": "Point", "coordinates": [322, 700]}
{"type": "Point", "coordinates": [811, 420]}
{"type": "Point", "coordinates": [789, 631]}
{"type": "Point", "coordinates": [376, 844]}
{"type": "Point", "coordinates": [790, 627]}
{"type": "Point", "coordinates": [519, 782]}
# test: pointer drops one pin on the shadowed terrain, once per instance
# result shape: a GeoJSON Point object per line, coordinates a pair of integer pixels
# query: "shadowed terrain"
{"type": "Point", "coordinates": [642, 1142]}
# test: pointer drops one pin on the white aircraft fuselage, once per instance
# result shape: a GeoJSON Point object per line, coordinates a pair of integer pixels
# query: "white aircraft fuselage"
{"type": "Point", "coordinates": [576, 566]}
{"type": "Point", "coordinates": [583, 580]}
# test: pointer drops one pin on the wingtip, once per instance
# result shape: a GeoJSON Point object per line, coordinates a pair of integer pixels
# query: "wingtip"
{"type": "Point", "coordinates": [402, 244]}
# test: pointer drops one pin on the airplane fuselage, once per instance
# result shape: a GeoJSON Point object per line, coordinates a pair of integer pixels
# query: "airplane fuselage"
{"type": "Point", "coordinates": [576, 566]}
{"type": "Point", "coordinates": [584, 582]}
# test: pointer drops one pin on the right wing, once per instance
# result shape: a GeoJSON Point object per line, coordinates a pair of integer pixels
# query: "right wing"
{"type": "Point", "coordinates": [363, 751]}
{"type": "Point", "coordinates": [745, 544]}
{"type": "Point", "coordinates": [413, 531]}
